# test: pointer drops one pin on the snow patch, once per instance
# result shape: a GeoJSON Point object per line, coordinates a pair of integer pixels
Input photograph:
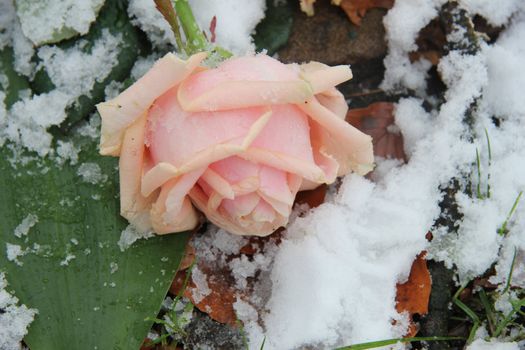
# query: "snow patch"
{"type": "Point", "coordinates": [14, 318]}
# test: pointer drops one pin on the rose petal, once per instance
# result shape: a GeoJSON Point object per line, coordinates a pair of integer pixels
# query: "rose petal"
{"type": "Point", "coordinates": [287, 132]}
{"type": "Point", "coordinates": [355, 148]}
{"type": "Point", "coordinates": [334, 100]}
{"type": "Point", "coordinates": [218, 183]}
{"type": "Point", "coordinates": [263, 212]}
{"type": "Point", "coordinates": [200, 199]}
{"type": "Point", "coordinates": [274, 184]}
{"type": "Point", "coordinates": [120, 112]}
{"type": "Point", "coordinates": [173, 212]}
{"type": "Point", "coordinates": [242, 94]}
{"type": "Point", "coordinates": [235, 169]}
{"type": "Point", "coordinates": [306, 169]}
{"type": "Point", "coordinates": [242, 82]}
{"type": "Point", "coordinates": [133, 206]}
{"type": "Point", "coordinates": [163, 171]}
{"type": "Point", "coordinates": [241, 205]}
{"type": "Point", "coordinates": [322, 77]}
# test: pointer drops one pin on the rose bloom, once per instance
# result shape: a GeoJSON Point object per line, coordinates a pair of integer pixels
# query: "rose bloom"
{"type": "Point", "coordinates": [237, 141]}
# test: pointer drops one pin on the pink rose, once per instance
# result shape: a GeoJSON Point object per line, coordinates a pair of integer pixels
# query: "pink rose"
{"type": "Point", "coordinates": [237, 141]}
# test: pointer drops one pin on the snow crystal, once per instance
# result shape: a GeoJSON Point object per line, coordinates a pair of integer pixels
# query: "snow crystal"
{"type": "Point", "coordinates": [23, 228]}
{"type": "Point", "coordinates": [66, 151]}
{"type": "Point", "coordinates": [142, 65]}
{"type": "Point", "coordinates": [113, 89]}
{"type": "Point", "coordinates": [145, 15]}
{"type": "Point", "coordinates": [242, 268]}
{"type": "Point", "coordinates": [402, 24]}
{"type": "Point", "coordinates": [42, 20]}
{"type": "Point", "coordinates": [113, 267]}
{"type": "Point", "coordinates": [480, 344]}
{"type": "Point", "coordinates": [129, 235]}
{"type": "Point", "coordinates": [73, 72]}
{"type": "Point", "coordinates": [201, 290]}
{"type": "Point", "coordinates": [7, 16]}
{"type": "Point", "coordinates": [91, 173]}
{"type": "Point", "coordinates": [91, 128]}
{"type": "Point", "coordinates": [226, 242]}
{"type": "Point", "coordinates": [69, 257]}
{"type": "Point", "coordinates": [14, 319]}
{"type": "Point", "coordinates": [13, 251]}
{"type": "Point", "coordinates": [496, 12]}
{"type": "Point", "coordinates": [244, 311]}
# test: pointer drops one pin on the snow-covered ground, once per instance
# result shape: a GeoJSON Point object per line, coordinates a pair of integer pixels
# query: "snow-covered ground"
{"type": "Point", "coordinates": [332, 280]}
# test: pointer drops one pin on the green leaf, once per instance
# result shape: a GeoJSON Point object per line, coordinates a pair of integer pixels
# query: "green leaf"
{"type": "Point", "coordinates": [273, 31]}
{"type": "Point", "coordinates": [101, 297]}
{"type": "Point", "coordinates": [113, 17]}
{"type": "Point", "coordinates": [15, 82]}
{"type": "Point", "coordinates": [50, 21]}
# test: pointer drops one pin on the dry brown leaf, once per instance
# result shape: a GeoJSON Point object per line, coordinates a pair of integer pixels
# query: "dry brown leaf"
{"type": "Point", "coordinates": [413, 295]}
{"type": "Point", "coordinates": [377, 120]}
{"type": "Point", "coordinates": [356, 9]}
{"type": "Point", "coordinates": [219, 303]}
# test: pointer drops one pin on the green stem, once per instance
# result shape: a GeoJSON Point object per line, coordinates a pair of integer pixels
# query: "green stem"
{"type": "Point", "coordinates": [380, 343]}
{"type": "Point", "coordinates": [165, 7]}
{"type": "Point", "coordinates": [195, 39]}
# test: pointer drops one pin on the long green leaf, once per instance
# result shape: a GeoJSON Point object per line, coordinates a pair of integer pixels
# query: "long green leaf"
{"type": "Point", "coordinates": [99, 298]}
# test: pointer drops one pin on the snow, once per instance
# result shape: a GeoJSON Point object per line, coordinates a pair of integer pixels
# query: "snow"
{"type": "Point", "coordinates": [73, 72]}
{"type": "Point", "coordinates": [13, 252]}
{"type": "Point", "coordinates": [23, 228]}
{"type": "Point", "coordinates": [202, 289]}
{"type": "Point", "coordinates": [496, 12]}
{"type": "Point", "coordinates": [14, 318]}
{"type": "Point", "coordinates": [402, 24]}
{"type": "Point", "coordinates": [481, 344]}
{"type": "Point", "coordinates": [129, 236]}
{"type": "Point", "coordinates": [332, 280]}
{"type": "Point", "coordinates": [91, 173]}
{"type": "Point", "coordinates": [233, 35]}
{"type": "Point", "coordinates": [43, 20]}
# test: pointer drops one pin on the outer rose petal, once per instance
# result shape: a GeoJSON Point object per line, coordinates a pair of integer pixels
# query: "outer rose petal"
{"type": "Point", "coordinates": [243, 82]}
{"type": "Point", "coordinates": [354, 148]}
{"type": "Point", "coordinates": [134, 206]}
{"type": "Point", "coordinates": [122, 111]}
{"type": "Point", "coordinates": [322, 77]}
{"type": "Point", "coordinates": [173, 212]}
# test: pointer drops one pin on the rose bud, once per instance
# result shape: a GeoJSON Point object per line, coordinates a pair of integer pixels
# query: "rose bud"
{"type": "Point", "coordinates": [237, 141]}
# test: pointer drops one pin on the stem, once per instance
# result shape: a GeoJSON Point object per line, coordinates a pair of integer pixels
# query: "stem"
{"type": "Point", "coordinates": [165, 7]}
{"type": "Point", "coordinates": [195, 39]}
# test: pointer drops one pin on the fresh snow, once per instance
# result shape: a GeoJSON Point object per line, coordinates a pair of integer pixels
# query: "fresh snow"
{"type": "Point", "coordinates": [480, 344]}
{"type": "Point", "coordinates": [236, 21]}
{"type": "Point", "coordinates": [332, 280]}
{"type": "Point", "coordinates": [14, 318]}
{"type": "Point", "coordinates": [43, 20]}
{"type": "Point", "coordinates": [23, 228]}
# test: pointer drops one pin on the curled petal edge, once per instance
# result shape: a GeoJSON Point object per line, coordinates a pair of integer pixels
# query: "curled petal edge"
{"type": "Point", "coordinates": [120, 112]}
{"type": "Point", "coordinates": [164, 171]}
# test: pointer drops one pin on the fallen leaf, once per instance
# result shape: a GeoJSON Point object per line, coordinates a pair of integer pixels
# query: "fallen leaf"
{"type": "Point", "coordinates": [413, 295]}
{"type": "Point", "coordinates": [377, 120]}
{"type": "Point", "coordinates": [219, 303]}
{"type": "Point", "coordinates": [356, 9]}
